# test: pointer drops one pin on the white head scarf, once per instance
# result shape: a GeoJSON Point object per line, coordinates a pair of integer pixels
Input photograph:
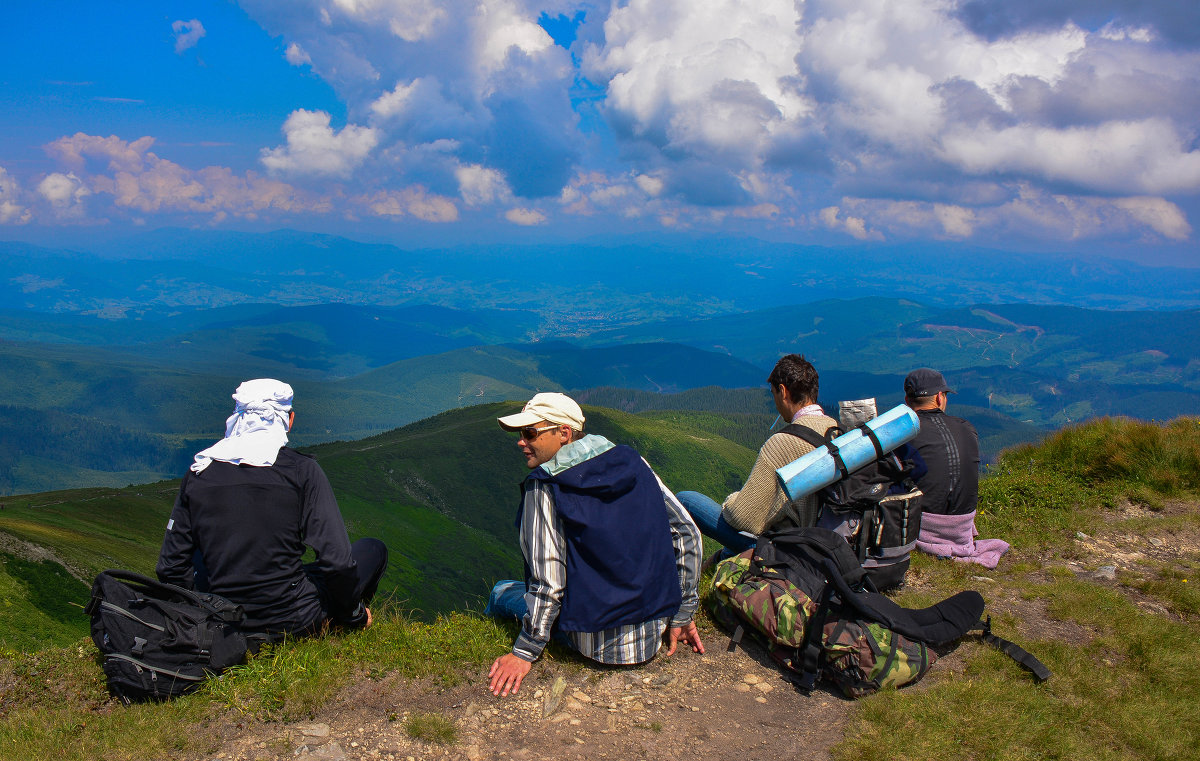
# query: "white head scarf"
{"type": "Point", "coordinates": [257, 428]}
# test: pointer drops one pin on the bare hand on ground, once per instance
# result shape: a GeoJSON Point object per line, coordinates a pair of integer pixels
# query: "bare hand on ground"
{"type": "Point", "coordinates": [686, 634]}
{"type": "Point", "coordinates": [506, 674]}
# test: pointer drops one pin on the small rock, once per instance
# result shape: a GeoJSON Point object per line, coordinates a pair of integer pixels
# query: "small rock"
{"type": "Point", "coordinates": [695, 708]}
{"type": "Point", "coordinates": [559, 718]}
{"type": "Point", "coordinates": [1081, 536]}
{"type": "Point", "coordinates": [1107, 572]}
{"type": "Point", "coordinates": [984, 579]}
{"type": "Point", "coordinates": [581, 696]}
{"type": "Point", "coordinates": [1154, 540]}
{"type": "Point", "coordinates": [537, 693]}
{"type": "Point", "coordinates": [645, 680]}
{"type": "Point", "coordinates": [751, 679]}
{"type": "Point", "coordinates": [313, 730]}
{"type": "Point", "coordinates": [1154, 607]}
{"type": "Point", "coordinates": [473, 753]}
{"type": "Point", "coordinates": [575, 722]}
{"type": "Point", "coordinates": [763, 687]}
{"type": "Point", "coordinates": [760, 699]}
{"type": "Point", "coordinates": [742, 687]}
{"type": "Point", "coordinates": [579, 740]}
{"type": "Point", "coordinates": [354, 745]}
{"type": "Point", "coordinates": [638, 706]}
{"type": "Point", "coordinates": [330, 752]}
{"type": "Point", "coordinates": [573, 704]}
{"type": "Point", "coordinates": [554, 697]}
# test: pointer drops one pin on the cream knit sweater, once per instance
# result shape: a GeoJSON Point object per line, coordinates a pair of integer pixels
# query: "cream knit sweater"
{"type": "Point", "coordinates": [761, 503]}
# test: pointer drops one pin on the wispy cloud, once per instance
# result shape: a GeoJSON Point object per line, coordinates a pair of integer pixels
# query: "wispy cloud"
{"type": "Point", "coordinates": [187, 34]}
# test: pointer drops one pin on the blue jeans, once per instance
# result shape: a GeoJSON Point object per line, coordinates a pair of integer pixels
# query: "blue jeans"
{"type": "Point", "coordinates": [707, 514]}
{"type": "Point", "coordinates": [507, 600]}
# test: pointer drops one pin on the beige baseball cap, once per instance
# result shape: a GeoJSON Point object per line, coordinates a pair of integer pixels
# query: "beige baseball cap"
{"type": "Point", "coordinates": [551, 407]}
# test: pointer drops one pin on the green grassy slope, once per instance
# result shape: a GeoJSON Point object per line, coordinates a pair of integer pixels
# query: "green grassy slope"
{"type": "Point", "coordinates": [442, 493]}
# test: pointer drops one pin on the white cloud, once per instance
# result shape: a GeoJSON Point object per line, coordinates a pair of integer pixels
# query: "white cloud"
{"type": "Point", "coordinates": [1148, 156]}
{"type": "Point", "coordinates": [296, 56]}
{"type": "Point", "coordinates": [313, 148]}
{"type": "Point", "coordinates": [187, 34]}
{"type": "Point", "coordinates": [856, 227]}
{"type": "Point", "coordinates": [479, 185]}
{"type": "Point", "coordinates": [525, 217]}
{"type": "Point", "coordinates": [12, 211]}
{"type": "Point", "coordinates": [414, 201]}
{"type": "Point", "coordinates": [65, 194]}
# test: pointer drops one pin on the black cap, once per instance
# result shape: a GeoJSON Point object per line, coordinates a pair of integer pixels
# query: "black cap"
{"type": "Point", "coordinates": [925, 381]}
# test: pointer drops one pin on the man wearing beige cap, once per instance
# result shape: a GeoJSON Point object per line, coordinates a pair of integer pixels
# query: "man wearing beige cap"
{"type": "Point", "coordinates": [612, 559]}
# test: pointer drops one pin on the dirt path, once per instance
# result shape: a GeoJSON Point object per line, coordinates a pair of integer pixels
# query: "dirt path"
{"type": "Point", "coordinates": [720, 704]}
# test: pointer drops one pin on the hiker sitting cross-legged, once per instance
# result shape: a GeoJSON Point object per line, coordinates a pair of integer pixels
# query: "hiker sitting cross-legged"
{"type": "Point", "coordinates": [246, 510]}
{"type": "Point", "coordinates": [949, 447]}
{"type": "Point", "coordinates": [611, 557]}
{"type": "Point", "coordinates": [761, 503]}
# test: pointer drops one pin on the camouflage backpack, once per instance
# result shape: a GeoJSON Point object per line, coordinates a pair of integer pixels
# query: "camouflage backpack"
{"type": "Point", "coordinates": [801, 590]}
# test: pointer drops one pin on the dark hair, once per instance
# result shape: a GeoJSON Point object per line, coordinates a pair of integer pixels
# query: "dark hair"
{"type": "Point", "coordinates": [798, 375]}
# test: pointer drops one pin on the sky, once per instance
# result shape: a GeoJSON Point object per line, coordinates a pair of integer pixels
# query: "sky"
{"type": "Point", "coordinates": [1056, 125]}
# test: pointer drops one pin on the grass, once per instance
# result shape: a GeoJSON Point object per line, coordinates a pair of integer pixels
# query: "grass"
{"type": "Point", "coordinates": [431, 728]}
{"type": "Point", "coordinates": [54, 704]}
{"type": "Point", "coordinates": [1125, 676]}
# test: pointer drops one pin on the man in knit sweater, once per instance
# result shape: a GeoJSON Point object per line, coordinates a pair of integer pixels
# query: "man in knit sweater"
{"type": "Point", "coordinates": [761, 504]}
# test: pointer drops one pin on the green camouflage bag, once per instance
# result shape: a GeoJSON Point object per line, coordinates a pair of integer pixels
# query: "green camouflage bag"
{"type": "Point", "coordinates": [859, 657]}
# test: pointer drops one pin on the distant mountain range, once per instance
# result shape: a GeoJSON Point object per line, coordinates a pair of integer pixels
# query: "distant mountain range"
{"type": "Point", "coordinates": [119, 364]}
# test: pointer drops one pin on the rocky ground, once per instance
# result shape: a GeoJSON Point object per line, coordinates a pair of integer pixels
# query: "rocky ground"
{"type": "Point", "coordinates": [725, 703]}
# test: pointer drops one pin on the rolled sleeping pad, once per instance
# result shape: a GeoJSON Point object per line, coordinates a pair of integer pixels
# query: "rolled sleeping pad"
{"type": "Point", "coordinates": [848, 452]}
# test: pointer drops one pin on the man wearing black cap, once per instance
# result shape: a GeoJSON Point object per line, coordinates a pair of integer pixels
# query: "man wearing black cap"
{"type": "Point", "coordinates": [949, 445]}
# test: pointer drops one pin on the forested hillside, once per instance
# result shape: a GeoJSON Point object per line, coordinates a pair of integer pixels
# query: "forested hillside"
{"type": "Point", "coordinates": [441, 493]}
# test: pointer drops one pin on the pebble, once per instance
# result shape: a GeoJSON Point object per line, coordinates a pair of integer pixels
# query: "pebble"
{"type": "Point", "coordinates": [1108, 572]}
{"type": "Point", "coordinates": [760, 699]}
{"type": "Point", "coordinates": [984, 579]}
{"type": "Point", "coordinates": [1081, 536]}
{"type": "Point", "coordinates": [742, 687]}
{"type": "Point", "coordinates": [578, 740]}
{"type": "Point", "coordinates": [1154, 540]}
{"type": "Point", "coordinates": [751, 679]}
{"type": "Point", "coordinates": [311, 730]}
{"type": "Point", "coordinates": [581, 696]}
{"type": "Point", "coordinates": [558, 718]}
{"type": "Point", "coordinates": [330, 752]}
{"type": "Point", "coordinates": [763, 687]}
{"type": "Point", "coordinates": [575, 722]}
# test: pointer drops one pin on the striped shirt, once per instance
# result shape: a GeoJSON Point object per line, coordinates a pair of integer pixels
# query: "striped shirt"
{"type": "Point", "coordinates": [544, 548]}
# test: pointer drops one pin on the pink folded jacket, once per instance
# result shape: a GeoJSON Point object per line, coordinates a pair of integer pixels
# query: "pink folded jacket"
{"type": "Point", "coordinates": [953, 536]}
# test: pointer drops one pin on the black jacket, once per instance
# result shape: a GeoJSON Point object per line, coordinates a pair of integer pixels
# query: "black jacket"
{"type": "Point", "coordinates": [950, 448]}
{"type": "Point", "coordinates": [250, 526]}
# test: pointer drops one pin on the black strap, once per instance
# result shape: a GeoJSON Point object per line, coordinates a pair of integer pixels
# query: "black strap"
{"type": "Point", "coordinates": [812, 653]}
{"type": "Point", "coordinates": [1012, 650]}
{"type": "Point", "coordinates": [735, 639]}
{"type": "Point", "coordinates": [879, 451]}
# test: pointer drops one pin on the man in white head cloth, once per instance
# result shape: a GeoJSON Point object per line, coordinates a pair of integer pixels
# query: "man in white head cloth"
{"type": "Point", "coordinates": [246, 510]}
{"type": "Point", "coordinates": [612, 559]}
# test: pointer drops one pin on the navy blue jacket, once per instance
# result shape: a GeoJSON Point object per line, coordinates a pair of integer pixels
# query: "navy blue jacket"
{"type": "Point", "coordinates": [619, 553]}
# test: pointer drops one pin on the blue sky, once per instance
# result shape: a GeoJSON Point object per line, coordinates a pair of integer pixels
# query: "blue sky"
{"type": "Point", "coordinates": [1065, 126]}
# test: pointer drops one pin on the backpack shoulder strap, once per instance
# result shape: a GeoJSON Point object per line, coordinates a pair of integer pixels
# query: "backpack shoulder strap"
{"type": "Point", "coordinates": [1012, 650]}
{"type": "Point", "coordinates": [809, 435]}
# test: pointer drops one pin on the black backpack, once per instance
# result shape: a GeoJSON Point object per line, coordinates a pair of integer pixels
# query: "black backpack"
{"type": "Point", "coordinates": [876, 509]}
{"type": "Point", "coordinates": [159, 640]}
